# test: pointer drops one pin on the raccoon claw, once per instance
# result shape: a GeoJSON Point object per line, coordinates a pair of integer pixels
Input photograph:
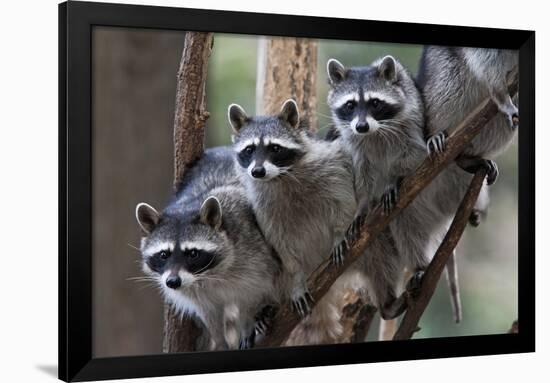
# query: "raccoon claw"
{"type": "Point", "coordinates": [471, 164]}
{"type": "Point", "coordinates": [415, 282]}
{"type": "Point", "coordinates": [260, 327]}
{"type": "Point", "coordinates": [355, 228]}
{"type": "Point", "coordinates": [492, 171]}
{"type": "Point", "coordinates": [247, 341]}
{"type": "Point", "coordinates": [389, 199]}
{"type": "Point", "coordinates": [436, 143]}
{"type": "Point", "coordinates": [300, 305]}
{"type": "Point", "coordinates": [263, 320]}
{"type": "Point", "coordinates": [339, 253]}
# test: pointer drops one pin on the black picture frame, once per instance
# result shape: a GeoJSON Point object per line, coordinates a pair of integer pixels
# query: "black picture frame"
{"type": "Point", "coordinates": [76, 20]}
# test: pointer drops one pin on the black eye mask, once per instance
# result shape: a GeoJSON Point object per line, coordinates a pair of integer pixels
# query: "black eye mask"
{"type": "Point", "coordinates": [194, 261]}
{"type": "Point", "coordinates": [197, 261]}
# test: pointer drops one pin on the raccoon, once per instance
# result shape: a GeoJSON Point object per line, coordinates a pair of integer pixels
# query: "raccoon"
{"type": "Point", "coordinates": [302, 191]}
{"type": "Point", "coordinates": [453, 81]}
{"type": "Point", "coordinates": [378, 112]}
{"type": "Point", "coordinates": [208, 254]}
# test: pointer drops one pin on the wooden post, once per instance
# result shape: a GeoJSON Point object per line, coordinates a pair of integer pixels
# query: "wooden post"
{"type": "Point", "coordinates": [287, 68]}
{"type": "Point", "coordinates": [181, 333]}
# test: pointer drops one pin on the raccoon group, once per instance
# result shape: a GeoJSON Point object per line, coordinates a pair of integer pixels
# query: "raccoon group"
{"type": "Point", "coordinates": [251, 221]}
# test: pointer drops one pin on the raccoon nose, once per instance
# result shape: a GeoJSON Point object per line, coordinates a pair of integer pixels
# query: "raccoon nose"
{"type": "Point", "coordinates": [258, 172]}
{"type": "Point", "coordinates": [173, 281]}
{"type": "Point", "coordinates": [362, 127]}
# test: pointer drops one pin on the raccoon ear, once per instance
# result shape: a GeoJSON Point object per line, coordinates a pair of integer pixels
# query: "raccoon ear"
{"type": "Point", "coordinates": [147, 217]}
{"type": "Point", "coordinates": [386, 68]}
{"type": "Point", "coordinates": [289, 113]}
{"type": "Point", "coordinates": [211, 212]}
{"type": "Point", "coordinates": [237, 117]}
{"type": "Point", "coordinates": [336, 71]}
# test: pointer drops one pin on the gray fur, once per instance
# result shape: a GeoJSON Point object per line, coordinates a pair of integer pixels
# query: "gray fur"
{"type": "Point", "coordinates": [306, 208]}
{"type": "Point", "coordinates": [390, 150]}
{"type": "Point", "coordinates": [211, 208]}
{"type": "Point", "coordinates": [454, 81]}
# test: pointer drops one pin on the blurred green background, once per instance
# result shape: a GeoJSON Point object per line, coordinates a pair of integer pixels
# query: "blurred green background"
{"type": "Point", "coordinates": [134, 82]}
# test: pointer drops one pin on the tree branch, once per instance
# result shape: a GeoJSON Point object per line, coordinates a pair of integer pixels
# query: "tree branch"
{"type": "Point", "coordinates": [181, 334]}
{"type": "Point", "coordinates": [324, 276]}
{"type": "Point", "coordinates": [357, 316]}
{"type": "Point", "coordinates": [418, 301]}
{"type": "Point", "coordinates": [191, 115]}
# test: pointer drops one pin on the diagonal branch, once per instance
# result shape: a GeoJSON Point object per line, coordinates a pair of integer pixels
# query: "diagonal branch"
{"type": "Point", "coordinates": [418, 300]}
{"type": "Point", "coordinates": [325, 275]}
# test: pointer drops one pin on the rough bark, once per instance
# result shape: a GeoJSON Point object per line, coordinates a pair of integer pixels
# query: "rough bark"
{"type": "Point", "coordinates": [287, 68]}
{"type": "Point", "coordinates": [324, 276]}
{"type": "Point", "coordinates": [191, 115]}
{"type": "Point", "coordinates": [181, 334]}
{"type": "Point", "coordinates": [418, 301]}
{"type": "Point", "coordinates": [357, 316]}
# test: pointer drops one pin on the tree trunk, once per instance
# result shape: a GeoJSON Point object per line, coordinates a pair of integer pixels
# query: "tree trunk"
{"type": "Point", "coordinates": [181, 333]}
{"type": "Point", "coordinates": [287, 68]}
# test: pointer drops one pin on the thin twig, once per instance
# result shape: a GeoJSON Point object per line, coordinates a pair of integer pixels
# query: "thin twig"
{"type": "Point", "coordinates": [418, 300]}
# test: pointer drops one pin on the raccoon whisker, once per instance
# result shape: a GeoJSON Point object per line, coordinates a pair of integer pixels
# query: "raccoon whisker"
{"type": "Point", "coordinates": [152, 286]}
{"type": "Point", "coordinates": [323, 115]}
{"type": "Point", "coordinates": [325, 126]}
{"type": "Point", "coordinates": [207, 266]}
{"type": "Point", "coordinates": [133, 247]}
{"type": "Point", "coordinates": [143, 278]}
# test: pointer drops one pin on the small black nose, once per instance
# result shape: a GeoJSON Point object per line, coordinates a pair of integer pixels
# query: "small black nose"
{"type": "Point", "coordinates": [173, 281]}
{"type": "Point", "coordinates": [362, 127]}
{"type": "Point", "coordinates": [258, 172]}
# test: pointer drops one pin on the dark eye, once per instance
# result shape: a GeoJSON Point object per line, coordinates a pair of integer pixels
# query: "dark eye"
{"type": "Point", "coordinates": [350, 105]}
{"type": "Point", "coordinates": [193, 253]}
{"type": "Point", "coordinates": [375, 103]}
{"type": "Point", "coordinates": [164, 255]}
{"type": "Point", "coordinates": [275, 148]}
{"type": "Point", "coordinates": [249, 149]}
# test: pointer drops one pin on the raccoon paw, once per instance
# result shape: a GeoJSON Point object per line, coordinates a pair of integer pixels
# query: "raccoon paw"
{"type": "Point", "coordinates": [492, 171]}
{"type": "Point", "coordinates": [436, 143]}
{"type": "Point", "coordinates": [415, 282]}
{"type": "Point", "coordinates": [339, 253]}
{"type": "Point", "coordinates": [475, 218]}
{"type": "Point", "coordinates": [301, 303]}
{"type": "Point", "coordinates": [247, 341]}
{"type": "Point", "coordinates": [353, 231]}
{"type": "Point", "coordinates": [263, 320]}
{"type": "Point", "coordinates": [472, 164]}
{"type": "Point", "coordinates": [389, 199]}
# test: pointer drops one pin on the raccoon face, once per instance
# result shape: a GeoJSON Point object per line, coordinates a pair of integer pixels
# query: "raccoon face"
{"type": "Point", "coordinates": [267, 147]}
{"type": "Point", "coordinates": [367, 99]}
{"type": "Point", "coordinates": [180, 251]}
